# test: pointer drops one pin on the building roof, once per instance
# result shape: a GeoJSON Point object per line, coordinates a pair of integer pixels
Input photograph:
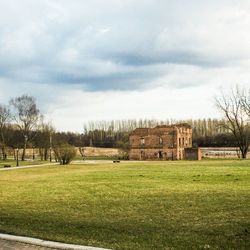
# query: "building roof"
{"type": "Point", "coordinates": [141, 131]}
{"type": "Point", "coordinates": [160, 129]}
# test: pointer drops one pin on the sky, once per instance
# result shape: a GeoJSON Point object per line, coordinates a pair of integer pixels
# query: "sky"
{"type": "Point", "coordinates": [123, 59]}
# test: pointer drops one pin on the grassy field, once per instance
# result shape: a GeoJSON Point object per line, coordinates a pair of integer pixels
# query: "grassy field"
{"type": "Point", "coordinates": [152, 205]}
{"type": "Point", "coordinates": [12, 162]}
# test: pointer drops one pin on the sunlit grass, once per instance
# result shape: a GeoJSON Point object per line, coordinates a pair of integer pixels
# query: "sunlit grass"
{"type": "Point", "coordinates": [152, 205]}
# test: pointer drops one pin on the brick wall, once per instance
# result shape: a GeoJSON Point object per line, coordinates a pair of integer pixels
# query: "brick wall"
{"type": "Point", "coordinates": [161, 142]}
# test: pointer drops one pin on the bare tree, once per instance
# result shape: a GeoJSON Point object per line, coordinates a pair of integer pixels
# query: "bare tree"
{"type": "Point", "coordinates": [237, 121]}
{"type": "Point", "coordinates": [65, 153]}
{"type": "Point", "coordinates": [26, 116]}
{"type": "Point", "coordinates": [4, 119]}
{"type": "Point", "coordinates": [245, 99]}
{"type": "Point", "coordinates": [43, 140]}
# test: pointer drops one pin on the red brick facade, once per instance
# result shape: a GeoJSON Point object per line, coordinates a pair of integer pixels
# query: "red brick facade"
{"type": "Point", "coordinates": [160, 143]}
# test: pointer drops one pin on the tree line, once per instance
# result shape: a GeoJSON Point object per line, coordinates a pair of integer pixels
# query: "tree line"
{"type": "Point", "coordinates": [206, 132]}
{"type": "Point", "coordinates": [113, 134]}
{"type": "Point", "coordinates": [22, 125]}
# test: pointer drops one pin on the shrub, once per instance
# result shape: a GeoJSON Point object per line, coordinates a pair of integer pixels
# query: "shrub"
{"type": "Point", "coordinates": [123, 155]}
{"type": "Point", "coordinates": [65, 153]}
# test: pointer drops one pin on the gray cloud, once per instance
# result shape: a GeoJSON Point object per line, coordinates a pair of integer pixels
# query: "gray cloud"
{"type": "Point", "coordinates": [118, 44]}
{"type": "Point", "coordinates": [169, 57]}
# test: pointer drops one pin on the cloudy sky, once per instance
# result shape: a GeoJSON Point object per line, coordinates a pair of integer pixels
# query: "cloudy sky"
{"type": "Point", "coordinates": [117, 59]}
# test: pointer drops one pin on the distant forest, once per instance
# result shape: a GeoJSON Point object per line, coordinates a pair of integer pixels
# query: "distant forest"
{"type": "Point", "coordinates": [114, 134]}
{"type": "Point", "coordinates": [206, 132]}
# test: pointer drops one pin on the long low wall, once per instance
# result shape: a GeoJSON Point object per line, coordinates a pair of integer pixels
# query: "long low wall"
{"type": "Point", "coordinates": [93, 151]}
{"type": "Point", "coordinates": [88, 151]}
{"type": "Point", "coordinates": [221, 152]}
{"type": "Point", "coordinates": [207, 152]}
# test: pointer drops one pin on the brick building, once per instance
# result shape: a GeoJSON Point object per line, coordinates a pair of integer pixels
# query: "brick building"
{"type": "Point", "coordinates": [162, 142]}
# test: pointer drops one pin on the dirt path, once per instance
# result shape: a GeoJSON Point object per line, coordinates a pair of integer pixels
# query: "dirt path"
{"type": "Point", "coordinates": [29, 166]}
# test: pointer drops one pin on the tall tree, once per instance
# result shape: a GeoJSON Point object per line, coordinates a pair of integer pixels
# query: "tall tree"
{"type": "Point", "coordinates": [43, 140]}
{"type": "Point", "coordinates": [237, 121]}
{"type": "Point", "coordinates": [26, 116]}
{"type": "Point", "coordinates": [4, 119]}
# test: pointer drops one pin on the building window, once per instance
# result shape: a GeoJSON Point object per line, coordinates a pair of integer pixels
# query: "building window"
{"type": "Point", "coordinates": [179, 142]}
{"type": "Point", "coordinates": [190, 143]}
{"type": "Point", "coordinates": [142, 141]}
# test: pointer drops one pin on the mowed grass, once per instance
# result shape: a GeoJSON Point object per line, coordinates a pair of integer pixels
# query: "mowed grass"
{"type": "Point", "coordinates": [152, 205]}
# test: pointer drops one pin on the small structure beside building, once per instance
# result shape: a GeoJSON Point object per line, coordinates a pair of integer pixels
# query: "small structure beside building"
{"type": "Point", "coordinates": [162, 143]}
{"type": "Point", "coordinates": [192, 154]}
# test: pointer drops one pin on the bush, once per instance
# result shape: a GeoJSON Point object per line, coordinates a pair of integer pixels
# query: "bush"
{"type": "Point", "coordinates": [65, 153]}
{"type": "Point", "coordinates": [123, 155]}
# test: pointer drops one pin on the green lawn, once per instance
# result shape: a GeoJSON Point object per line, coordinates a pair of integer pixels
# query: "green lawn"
{"type": "Point", "coordinates": [12, 162]}
{"type": "Point", "coordinates": [153, 205]}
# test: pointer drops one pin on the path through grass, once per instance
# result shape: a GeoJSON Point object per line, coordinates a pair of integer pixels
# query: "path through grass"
{"type": "Point", "coordinates": [13, 162]}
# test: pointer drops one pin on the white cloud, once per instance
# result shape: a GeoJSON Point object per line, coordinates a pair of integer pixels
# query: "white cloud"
{"type": "Point", "coordinates": [77, 57]}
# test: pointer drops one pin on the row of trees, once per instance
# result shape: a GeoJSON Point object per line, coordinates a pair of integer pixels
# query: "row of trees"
{"type": "Point", "coordinates": [22, 126]}
{"type": "Point", "coordinates": [206, 132]}
{"type": "Point", "coordinates": [232, 130]}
